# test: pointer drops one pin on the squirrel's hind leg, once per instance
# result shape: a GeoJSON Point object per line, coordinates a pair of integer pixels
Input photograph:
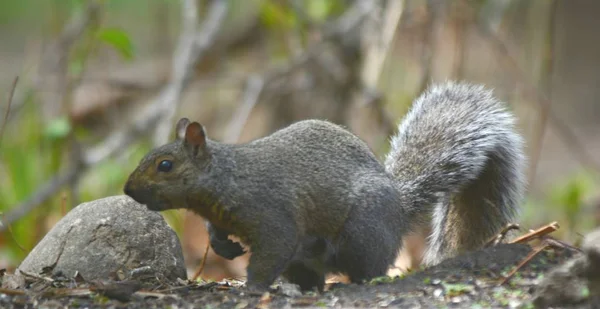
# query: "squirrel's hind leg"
{"type": "Point", "coordinates": [372, 234]}
{"type": "Point", "coordinates": [305, 277]}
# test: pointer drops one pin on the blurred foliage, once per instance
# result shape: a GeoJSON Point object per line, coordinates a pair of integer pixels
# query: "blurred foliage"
{"type": "Point", "coordinates": [31, 154]}
{"type": "Point", "coordinates": [572, 202]}
{"type": "Point", "coordinates": [119, 40]}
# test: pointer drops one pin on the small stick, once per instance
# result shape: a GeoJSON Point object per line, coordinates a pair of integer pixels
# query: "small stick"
{"type": "Point", "coordinates": [63, 204]}
{"type": "Point", "coordinates": [12, 292]}
{"type": "Point", "coordinates": [10, 232]}
{"type": "Point", "coordinates": [526, 260]}
{"type": "Point", "coordinates": [155, 294]}
{"type": "Point", "coordinates": [10, 98]}
{"type": "Point", "coordinates": [544, 230]}
{"type": "Point", "coordinates": [35, 276]}
{"type": "Point", "coordinates": [560, 244]}
{"type": "Point", "coordinates": [201, 269]}
{"type": "Point", "coordinates": [498, 238]}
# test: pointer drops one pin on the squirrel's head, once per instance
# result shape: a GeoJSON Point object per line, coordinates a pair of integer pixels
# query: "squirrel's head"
{"type": "Point", "coordinates": [165, 175]}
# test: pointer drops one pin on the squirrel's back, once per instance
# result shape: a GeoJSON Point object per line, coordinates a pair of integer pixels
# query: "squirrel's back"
{"type": "Point", "coordinates": [313, 166]}
{"type": "Point", "coordinates": [317, 151]}
{"type": "Point", "coordinates": [458, 149]}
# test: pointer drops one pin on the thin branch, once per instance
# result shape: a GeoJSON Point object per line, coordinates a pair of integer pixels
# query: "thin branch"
{"type": "Point", "coordinates": [201, 268]}
{"type": "Point", "coordinates": [348, 22]}
{"type": "Point", "coordinates": [12, 235]}
{"type": "Point", "coordinates": [40, 196]}
{"type": "Point", "coordinates": [52, 78]}
{"type": "Point", "coordinates": [191, 48]}
{"type": "Point", "coordinates": [376, 54]}
{"type": "Point", "coordinates": [373, 64]}
{"type": "Point", "coordinates": [435, 12]}
{"type": "Point", "coordinates": [54, 71]}
{"type": "Point", "coordinates": [256, 84]}
{"type": "Point", "coordinates": [11, 94]}
{"type": "Point", "coordinates": [565, 132]}
{"type": "Point", "coordinates": [526, 260]}
{"type": "Point", "coordinates": [164, 104]}
{"type": "Point", "coordinates": [253, 92]}
{"type": "Point", "coordinates": [540, 232]}
{"type": "Point", "coordinates": [547, 64]}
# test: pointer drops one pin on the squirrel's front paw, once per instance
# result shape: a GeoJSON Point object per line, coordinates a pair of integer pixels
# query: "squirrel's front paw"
{"type": "Point", "coordinates": [227, 248]}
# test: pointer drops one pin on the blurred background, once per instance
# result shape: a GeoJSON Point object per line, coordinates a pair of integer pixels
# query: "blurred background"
{"type": "Point", "coordinates": [101, 82]}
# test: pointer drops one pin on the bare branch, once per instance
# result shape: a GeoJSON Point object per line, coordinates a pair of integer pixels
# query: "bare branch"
{"type": "Point", "coordinates": [565, 132]}
{"type": "Point", "coordinates": [52, 78]}
{"type": "Point", "coordinates": [53, 74]}
{"type": "Point", "coordinates": [190, 49]}
{"type": "Point", "coordinates": [253, 91]}
{"type": "Point", "coordinates": [376, 54]}
{"type": "Point", "coordinates": [353, 17]}
{"type": "Point", "coordinates": [345, 24]}
{"type": "Point", "coordinates": [192, 46]}
{"type": "Point", "coordinates": [39, 197]}
{"type": "Point", "coordinates": [547, 67]}
{"type": "Point", "coordinates": [11, 94]}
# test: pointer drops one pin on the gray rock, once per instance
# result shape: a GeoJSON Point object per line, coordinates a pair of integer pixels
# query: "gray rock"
{"type": "Point", "coordinates": [105, 237]}
{"type": "Point", "coordinates": [576, 281]}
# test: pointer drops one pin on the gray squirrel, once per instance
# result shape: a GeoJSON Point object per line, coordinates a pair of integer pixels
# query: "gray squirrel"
{"type": "Point", "coordinates": [312, 198]}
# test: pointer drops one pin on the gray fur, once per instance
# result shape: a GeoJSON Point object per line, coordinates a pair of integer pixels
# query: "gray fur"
{"type": "Point", "coordinates": [457, 150]}
{"type": "Point", "coordinates": [312, 198]}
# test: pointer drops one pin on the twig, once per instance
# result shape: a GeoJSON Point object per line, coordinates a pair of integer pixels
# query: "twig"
{"type": "Point", "coordinates": [63, 204]}
{"type": "Point", "coordinates": [498, 238]}
{"type": "Point", "coordinates": [10, 98]}
{"type": "Point", "coordinates": [526, 260]}
{"type": "Point", "coordinates": [12, 236]}
{"type": "Point", "coordinates": [547, 242]}
{"type": "Point", "coordinates": [190, 49]}
{"type": "Point", "coordinates": [201, 269]}
{"type": "Point", "coordinates": [35, 276]}
{"type": "Point", "coordinates": [155, 294]}
{"type": "Point", "coordinates": [561, 244]}
{"type": "Point", "coordinates": [544, 230]}
{"type": "Point", "coordinates": [252, 94]}
{"type": "Point", "coordinates": [12, 292]}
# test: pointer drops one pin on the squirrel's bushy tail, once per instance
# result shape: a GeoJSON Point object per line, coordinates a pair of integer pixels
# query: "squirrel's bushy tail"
{"type": "Point", "coordinates": [458, 154]}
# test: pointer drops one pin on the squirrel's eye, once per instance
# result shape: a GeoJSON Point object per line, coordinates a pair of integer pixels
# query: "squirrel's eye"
{"type": "Point", "coordinates": [165, 166]}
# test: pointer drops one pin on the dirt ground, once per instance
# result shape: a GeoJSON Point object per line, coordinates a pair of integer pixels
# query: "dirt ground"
{"type": "Point", "coordinates": [468, 281]}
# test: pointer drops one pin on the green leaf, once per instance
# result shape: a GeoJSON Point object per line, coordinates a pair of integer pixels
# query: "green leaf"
{"type": "Point", "coordinates": [58, 128]}
{"type": "Point", "coordinates": [319, 10]}
{"type": "Point", "coordinates": [277, 16]}
{"type": "Point", "coordinates": [119, 40]}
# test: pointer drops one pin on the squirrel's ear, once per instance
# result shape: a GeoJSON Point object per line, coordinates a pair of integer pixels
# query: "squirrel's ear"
{"type": "Point", "coordinates": [195, 137]}
{"type": "Point", "coordinates": [180, 128]}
